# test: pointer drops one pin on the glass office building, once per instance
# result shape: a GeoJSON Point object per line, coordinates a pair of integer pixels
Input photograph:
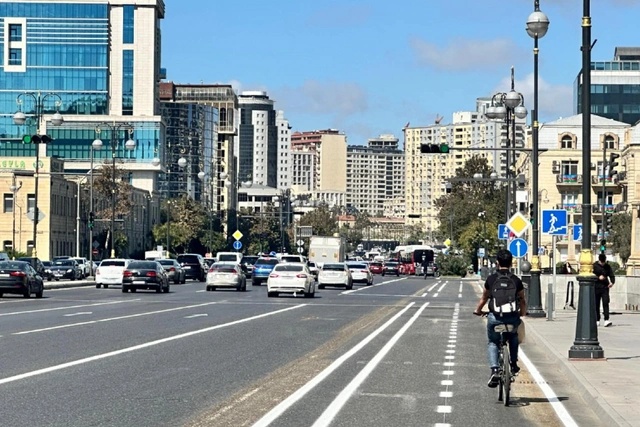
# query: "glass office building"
{"type": "Point", "coordinates": [615, 87]}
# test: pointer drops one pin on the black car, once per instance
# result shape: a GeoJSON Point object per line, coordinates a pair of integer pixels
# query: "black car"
{"type": "Point", "coordinates": [174, 271]}
{"type": "Point", "coordinates": [145, 275]}
{"type": "Point", "coordinates": [391, 267]}
{"type": "Point", "coordinates": [247, 263]}
{"type": "Point", "coordinates": [39, 266]}
{"type": "Point", "coordinates": [48, 275]}
{"type": "Point", "coordinates": [65, 269]}
{"type": "Point", "coordinates": [194, 266]}
{"type": "Point", "coordinates": [18, 277]}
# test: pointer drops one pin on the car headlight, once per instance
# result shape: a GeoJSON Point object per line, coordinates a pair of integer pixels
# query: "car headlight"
{"type": "Point", "coordinates": [69, 270]}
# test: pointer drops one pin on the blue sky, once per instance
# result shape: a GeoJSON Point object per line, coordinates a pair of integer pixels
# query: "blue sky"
{"type": "Point", "coordinates": [370, 67]}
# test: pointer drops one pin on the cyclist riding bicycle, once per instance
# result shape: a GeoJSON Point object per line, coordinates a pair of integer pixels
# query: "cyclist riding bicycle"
{"type": "Point", "coordinates": [505, 294]}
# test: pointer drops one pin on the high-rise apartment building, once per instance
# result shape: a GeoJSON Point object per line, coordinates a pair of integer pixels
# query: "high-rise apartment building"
{"type": "Point", "coordinates": [103, 60]}
{"type": "Point", "coordinates": [319, 161]}
{"type": "Point", "coordinates": [426, 174]}
{"type": "Point", "coordinates": [285, 164]}
{"type": "Point", "coordinates": [615, 87]}
{"type": "Point", "coordinates": [375, 174]}
{"type": "Point", "coordinates": [260, 157]}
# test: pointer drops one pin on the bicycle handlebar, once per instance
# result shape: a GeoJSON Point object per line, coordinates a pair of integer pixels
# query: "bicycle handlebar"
{"type": "Point", "coordinates": [481, 314]}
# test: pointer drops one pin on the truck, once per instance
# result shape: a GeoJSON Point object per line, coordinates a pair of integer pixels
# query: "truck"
{"type": "Point", "coordinates": [154, 255]}
{"type": "Point", "coordinates": [327, 249]}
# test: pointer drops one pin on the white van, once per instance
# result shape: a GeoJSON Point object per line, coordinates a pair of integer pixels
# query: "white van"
{"type": "Point", "coordinates": [234, 257]}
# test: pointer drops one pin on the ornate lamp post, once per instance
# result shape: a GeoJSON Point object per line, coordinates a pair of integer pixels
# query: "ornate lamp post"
{"type": "Point", "coordinates": [19, 118]}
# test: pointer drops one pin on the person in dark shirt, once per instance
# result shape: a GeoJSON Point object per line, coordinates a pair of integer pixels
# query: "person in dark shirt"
{"type": "Point", "coordinates": [605, 280]}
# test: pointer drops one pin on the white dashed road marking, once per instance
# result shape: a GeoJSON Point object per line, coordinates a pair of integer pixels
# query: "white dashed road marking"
{"type": "Point", "coordinates": [447, 394]}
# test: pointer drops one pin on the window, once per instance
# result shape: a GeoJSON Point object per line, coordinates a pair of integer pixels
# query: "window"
{"type": "Point", "coordinates": [566, 142]}
{"type": "Point", "coordinates": [128, 25]}
{"type": "Point", "coordinates": [31, 202]}
{"type": "Point", "coordinates": [569, 167]}
{"type": "Point", "coordinates": [609, 142]}
{"type": "Point", "coordinates": [15, 32]}
{"type": "Point", "coordinates": [127, 82]}
{"type": "Point", "coordinates": [8, 203]}
{"type": "Point", "coordinates": [15, 56]}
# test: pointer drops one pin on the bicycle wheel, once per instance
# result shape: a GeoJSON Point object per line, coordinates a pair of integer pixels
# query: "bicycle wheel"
{"type": "Point", "coordinates": [501, 383]}
{"type": "Point", "coordinates": [506, 374]}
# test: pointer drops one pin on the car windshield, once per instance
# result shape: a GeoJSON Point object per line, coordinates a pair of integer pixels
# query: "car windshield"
{"type": "Point", "coordinates": [311, 264]}
{"type": "Point", "coordinates": [227, 257]}
{"type": "Point", "coordinates": [13, 266]}
{"type": "Point", "coordinates": [64, 263]}
{"type": "Point", "coordinates": [188, 259]}
{"type": "Point", "coordinates": [249, 260]}
{"type": "Point", "coordinates": [78, 260]}
{"type": "Point", "coordinates": [224, 268]}
{"type": "Point", "coordinates": [288, 267]}
{"type": "Point", "coordinates": [267, 261]}
{"type": "Point", "coordinates": [376, 264]}
{"type": "Point", "coordinates": [46, 263]}
{"type": "Point", "coordinates": [290, 259]}
{"type": "Point", "coordinates": [391, 264]}
{"type": "Point", "coordinates": [333, 267]}
{"type": "Point", "coordinates": [111, 263]}
{"type": "Point", "coordinates": [142, 265]}
{"type": "Point", "coordinates": [167, 262]}
{"type": "Point", "coordinates": [357, 266]}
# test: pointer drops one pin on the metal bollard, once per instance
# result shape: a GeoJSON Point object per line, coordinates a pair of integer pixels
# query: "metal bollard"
{"type": "Point", "coordinates": [550, 301]}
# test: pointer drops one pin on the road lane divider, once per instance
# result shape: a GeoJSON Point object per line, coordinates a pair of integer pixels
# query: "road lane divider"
{"type": "Point", "coordinates": [447, 383]}
{"type": "Point", "coordinates": [82, 313]}
{"type": "Point", "coordinates": [193, 316]}
{"type": "Point", "coordinates": [109, 319]}
{"type": "Point", "coordinates": [338, 403]}
{"type": "Point", "coordinates": [434, 286]}
{"type": "Point", "coordinates": [283, 406]}
{"type": "Point", "coordinates": [373, 286]}
{"type": "Point", "coordinates": [440, 289]}
{"type": "Point", "coordinates": [70, 307]}
{"type": "Point", "coordinates": [142, 346]}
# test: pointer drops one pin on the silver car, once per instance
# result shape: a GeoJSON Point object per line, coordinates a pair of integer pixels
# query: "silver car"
{"type": "Point", "coordinates": [226, 275]}
{"type": "Point", "coordinates": [175, 272]}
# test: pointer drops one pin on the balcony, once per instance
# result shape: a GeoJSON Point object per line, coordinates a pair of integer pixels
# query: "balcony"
{"type": "Point", "coordinates": [570, 207]}
{"type": "Point", "coordinates": [568, 180]}
{"type": "Point", "coordinates": [607, 209]}
{"type": "Point", "coordinates": [597, 180]}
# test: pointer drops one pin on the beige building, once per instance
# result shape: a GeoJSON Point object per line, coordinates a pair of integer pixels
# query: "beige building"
{"type": "Point", "coordinates": [319, 160]}
{"type": "Point", "coordinates": [427, 174]}
{"type": "Point", "coordinates": [394, 208]}
{"type": "Point", "coordinates": [560, 175]}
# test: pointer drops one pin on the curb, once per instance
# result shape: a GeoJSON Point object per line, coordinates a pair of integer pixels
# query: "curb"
{"type": "Point", "coordinates": [589, 393]}
{"type": "Point", "coordinates": [65, 285]}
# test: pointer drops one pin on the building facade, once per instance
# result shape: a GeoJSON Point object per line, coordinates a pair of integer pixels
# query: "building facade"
{"type": "Point", "coordinates": [375, 173]}
{"type": "Point", "coordinates": [615, 87]}
{"type": "Point", "coordinates": [319, 161]}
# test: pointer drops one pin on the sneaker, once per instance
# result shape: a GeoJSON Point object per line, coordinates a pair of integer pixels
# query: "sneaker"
{"type": "Point", "coordinates": [598, 323]}
{"type": "Point", "coordinates": [515, 369]}
{"type": "Point", "coordinates": [607, 323]}
{"type": "Point", "coordinates": [494, 381]}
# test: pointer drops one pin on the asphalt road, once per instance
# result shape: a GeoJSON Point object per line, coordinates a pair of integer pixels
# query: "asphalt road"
{"type": "Point", "coordinates": [404, 352]}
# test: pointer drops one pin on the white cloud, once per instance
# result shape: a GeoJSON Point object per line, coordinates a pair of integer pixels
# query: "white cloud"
{"type": "Point", "coordinates": [465, 54]}
{"type": "Point", "coordinates": [340, 99]}
{"type": "Point", "coordinates": [555, 100]}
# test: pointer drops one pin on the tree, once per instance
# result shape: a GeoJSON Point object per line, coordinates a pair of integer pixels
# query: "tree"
{"type": "Point", "coordinates": [322, 220]}
{"type": "Point", "coordinates": [460, 208]}
{"type": "Point", "coordinates": [415, 234]}
{"type": "Point", "coordinates": [621, 235]}
{"type": "Point", "coordinates": [186, 220]}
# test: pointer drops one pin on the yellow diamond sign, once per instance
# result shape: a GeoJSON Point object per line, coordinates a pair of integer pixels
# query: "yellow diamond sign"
{"type": "Point", "coordinates": [518, 224]}
{"type": "Point", "coordinates": [237, 235]}
{"type": "Point", "coordinates": [447, 242]}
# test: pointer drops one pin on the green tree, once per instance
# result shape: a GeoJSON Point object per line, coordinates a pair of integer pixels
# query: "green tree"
{"type": "Point", "coordinates": [323, 221]}
{"type": "Point", "coordinates": [415, 234]}
{"type": "Point", "coordinates": [460, 208]}
{"type": "Point", "coordinates": [186, 220]}
{"type": "Point", "coordinates": [621, 235]}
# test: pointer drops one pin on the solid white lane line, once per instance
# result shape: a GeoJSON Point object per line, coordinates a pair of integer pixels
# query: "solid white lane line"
{"type": "Point", "coordinates": [78, 314]}
{"type": "Point", "coordinates": [196, 315]}
{"type": "Point", "coordinates": [556, 404]}
{"type": "Point", "coordinates": [373, 286]}
{"type": "Point", "coordinates": [141, 346]}
{"type": "Point", "coordinates": [334, 408]}
{"type": "Point", "coordinates": [204, 290]}
{"type": "Point", "coordinates": [425, 294]}
{"type": "Point", "coordinates": [42, 310]}
{"type": "Point", "coordinates": [442, 287]}
{"type": "Point", "coordinates": [128, 316]}
{"type": "Point", "coordinates": [431, 288]}
{"type": "Point", "coordinates": [274, 413]}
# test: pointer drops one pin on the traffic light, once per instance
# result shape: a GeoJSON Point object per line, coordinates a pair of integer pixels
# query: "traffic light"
{"type": "Point", "coordinates": [91, 219]}
{"type": "Point", "coordinates": [608, 221]}
{"type": "Point", "coordinates": [36, 139]}
{"type": "Point", "coordinates": [531, 216]}
{"type": "Point", "coordinates": [603, 245]}
{"type": "Point", "coordinates": [613, 164]}
{"type": "Point", "coordinates": [521, 181]}
{"type": "Point", "coordinates": [434, 148]}
{"type": "Point", "coordinates": [447, 188]}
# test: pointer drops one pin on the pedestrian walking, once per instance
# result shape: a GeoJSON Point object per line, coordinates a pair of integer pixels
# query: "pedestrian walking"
{"type": "Point", "coordinates": [605, 280]}
{"type": "Point", "coordinates": [568, 270]}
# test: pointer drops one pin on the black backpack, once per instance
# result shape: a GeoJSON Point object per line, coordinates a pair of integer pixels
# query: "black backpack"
{"type": "Point", "coordinates": [504, 294]}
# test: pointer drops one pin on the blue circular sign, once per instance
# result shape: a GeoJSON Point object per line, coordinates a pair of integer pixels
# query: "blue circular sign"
{"type": "Point", "coordinates": [237, 245]}
{"type": "Point", "coordinates": [272, 253]}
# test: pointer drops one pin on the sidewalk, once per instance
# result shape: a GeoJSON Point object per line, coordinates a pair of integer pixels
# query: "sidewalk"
{"type": "Point", "coordinates": [611, 387]}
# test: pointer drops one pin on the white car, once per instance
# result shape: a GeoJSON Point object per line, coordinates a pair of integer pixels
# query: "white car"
{"type": "Point", "coordinates": [335, 274]}
{"type": "Point", "coordinates": [313, 267]}
{"type": "Point", "coordinates": [292, 278]}
{"type": "Point", "coordinates": [226, 275]}
{"type": "Point", "coordinates": [110, 272]}
{"type": "Point", "coordinates": [360, 272]}
{"type": "Point", "coordinates": [83, 263]}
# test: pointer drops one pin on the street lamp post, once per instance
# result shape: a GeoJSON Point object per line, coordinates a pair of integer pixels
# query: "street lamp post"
{"type": "Point", "coordinates": [508, 106]}
{"type": "Point", "coordinates": [129, 145]}
{"type": "Point", "coordinates": [586, 344]}
{"type": "Point", "coordinates": [284, 197]}
{"type": "Point", "coordinates": [15, 187]}
{"type": "Point", "coordinates": [19, 118]}
{"type": "Point", "coordinates": [227, 183]}
{"type": "Point", "coordinates": [537, 27]}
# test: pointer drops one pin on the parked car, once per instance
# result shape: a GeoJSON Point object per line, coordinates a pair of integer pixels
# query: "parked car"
{"type": "Point", "coordinates": [360, 273]}
{"type": "Point", "coordinates": [4, 256]}
{"type": "Point", "coordinates": [83, 263]}
{"type": "Point", "coordinates": [194, 266]}
{"type": "Point", "coordinates": [226, 275]}
{"type": "Point", "coordinates": [335, 274]}
{"type": "Point", "coordinates": [110, 272]}
{"type": "Point", "coordinates": [174, 270]}
{"type": "Point", "coordinates": [248, 263]}
{"type": "Point", "coordinates": [48, 274]}
{"type": "Point", "coordinates": [66, 269]}
{"type": "Point", "coordinates": [39, 266]}
{"type": "Point", "coordinates": [261, 270]}
{"type": "Point", "coordinates": [291, 278]}
{"type": "Point", "coordinates": [18, 277]}
{"type": "Point", "coordinates": [391, 267]}
{"type": "Point", "coordinates": [145, 275]}
{"type": "Point", "coordinates": [313, 268]}
{"type": "Point", "coordinates": [376, 267]}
